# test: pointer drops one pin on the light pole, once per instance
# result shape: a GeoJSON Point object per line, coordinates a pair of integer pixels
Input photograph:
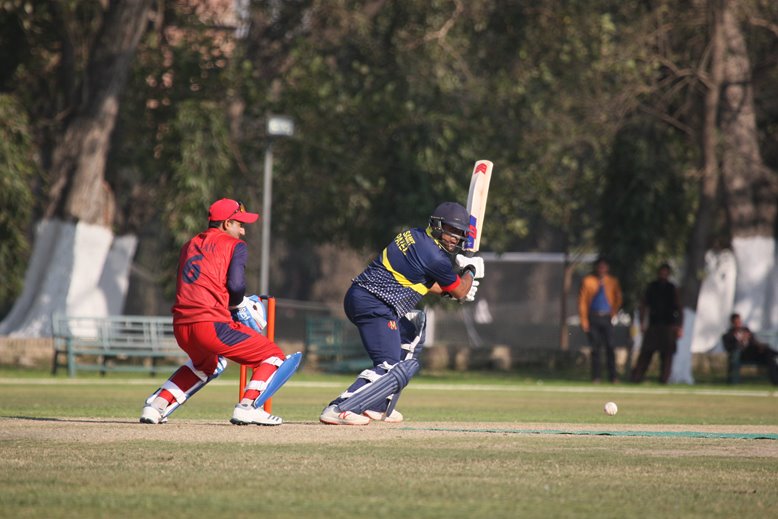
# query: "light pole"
{"type": "Point", "coordinates": [277, 126]}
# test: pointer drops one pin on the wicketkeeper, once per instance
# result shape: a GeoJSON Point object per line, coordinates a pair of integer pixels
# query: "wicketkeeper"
{"type": "Point", "coordinates": [214, 321]}
{"type": "Point", "coordinates": [381, 303]}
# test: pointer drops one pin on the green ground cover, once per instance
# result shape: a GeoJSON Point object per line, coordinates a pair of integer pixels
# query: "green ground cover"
{"type": "Point", "coordinates": [73, 448]}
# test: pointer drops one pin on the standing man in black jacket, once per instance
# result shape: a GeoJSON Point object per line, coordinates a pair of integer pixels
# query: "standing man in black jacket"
{"type": "Point", "coordinates": [661, 321]}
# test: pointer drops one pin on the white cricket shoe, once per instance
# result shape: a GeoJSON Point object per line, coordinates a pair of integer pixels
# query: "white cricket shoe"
{"type": "Point", "coordinates": [151, 414]}
{"type": "Point", "coordinates": [334, 416]}
{"type": "Point", "coordinates": [248, 414]}
{"type": "Point", "coordinates": [395, 417]}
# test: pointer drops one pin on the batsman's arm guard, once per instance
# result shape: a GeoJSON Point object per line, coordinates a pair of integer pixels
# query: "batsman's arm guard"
{"type": "Point", "coordinates": [250, 312]}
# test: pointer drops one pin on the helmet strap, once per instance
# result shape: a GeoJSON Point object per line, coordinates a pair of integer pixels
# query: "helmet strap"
{"type": "Point", "coordinates": [436, 233]}
{"type": "Point", "coordinates": [436, 228]}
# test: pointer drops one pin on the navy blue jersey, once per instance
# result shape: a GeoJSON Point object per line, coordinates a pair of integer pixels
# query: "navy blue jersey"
{"type": "Point", "coordinates": [406, 269]}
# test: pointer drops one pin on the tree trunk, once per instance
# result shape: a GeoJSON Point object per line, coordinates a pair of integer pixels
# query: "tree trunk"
{"type": "Point", "coordinates": [749, 186]}
{"type": "Point", "coordinates": [79, 191]}
{"type": "Point", "coordinates": [709, 171]}
{"type": "Point", "coordinates": [78, 267]}
{"type": "Point", "coordinates": [567, 284]}
{"type": "Point", "coordinates": [733, 161]}
{"type": "Point", "coordinates": [710, 175]}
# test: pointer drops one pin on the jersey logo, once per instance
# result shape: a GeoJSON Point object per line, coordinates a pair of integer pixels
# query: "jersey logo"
{"type": "Point", "coordinates": [191, 270]}
{"type": "Point", "coordinates": [404, 240]}
{"type": "Point", "coordinates": [392, 325]}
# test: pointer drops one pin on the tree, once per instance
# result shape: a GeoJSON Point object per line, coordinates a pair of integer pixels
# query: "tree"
{"type": "Point", "coordinates": [17, 169]}
{"type": "Point", "coordinates": [81, 205]}
{"type": "Point", "coordinates": [733, 180]}
{"type": "Point", "coordinates": [177, 143]}
{"type": "Point", "coordinates": [643, 216]}
{"type": "Point", "coordinates": [705, 92]}
{"type": "Point", "coordinates": [79, 190]}
{"type": "Point", "coordinates": [750, 187]}
{"type": "Point", "coordinates": [599, 115]}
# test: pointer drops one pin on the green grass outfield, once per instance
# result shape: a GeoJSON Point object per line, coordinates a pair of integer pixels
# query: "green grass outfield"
{"type": "Point", "coordinates": [472, 446]}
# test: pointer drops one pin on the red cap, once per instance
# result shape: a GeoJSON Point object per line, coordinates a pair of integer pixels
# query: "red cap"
{"type": "Point", "coordinates": [226, 209]}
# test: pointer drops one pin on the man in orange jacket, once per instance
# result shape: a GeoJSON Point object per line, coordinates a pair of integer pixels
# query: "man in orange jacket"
{"type": "Point", "coordinates": [599, 300]}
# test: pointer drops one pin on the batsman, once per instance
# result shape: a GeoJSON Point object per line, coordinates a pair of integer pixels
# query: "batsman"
{"type": "Point", "coordinates": [382, 302]}
{"type": "Point", "coordinates": [213, 321]}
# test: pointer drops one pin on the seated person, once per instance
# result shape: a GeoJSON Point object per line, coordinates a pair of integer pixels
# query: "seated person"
{"type": "Point", "coordinates": [742, 346]}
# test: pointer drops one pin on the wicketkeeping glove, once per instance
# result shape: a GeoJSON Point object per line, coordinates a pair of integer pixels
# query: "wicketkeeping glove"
{"type": "Point", "coordinates": [250, 312]}
{"type": "Point", "coordinates": [474, 265]}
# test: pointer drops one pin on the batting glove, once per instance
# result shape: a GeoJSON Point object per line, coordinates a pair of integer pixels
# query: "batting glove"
{"type": "Point", "coordinates": [474, 265]}
{"type": "Point", "coordinates": [471, 294]}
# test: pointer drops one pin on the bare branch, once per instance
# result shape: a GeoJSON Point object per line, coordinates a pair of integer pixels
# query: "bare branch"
{"type": "Point", "coordinates": [668, 119]}
{"type": "Point", "coordinates": [441, 33]}
{"type": "Point", "coordinates": [766, 24]}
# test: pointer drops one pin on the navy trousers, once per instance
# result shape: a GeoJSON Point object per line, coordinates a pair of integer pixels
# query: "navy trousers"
{"type": "Point", "coordinates": [380, 329]}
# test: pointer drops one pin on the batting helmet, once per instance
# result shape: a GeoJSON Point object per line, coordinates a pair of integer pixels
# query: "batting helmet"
{"type": "Point", "coordinates": [453, 215]}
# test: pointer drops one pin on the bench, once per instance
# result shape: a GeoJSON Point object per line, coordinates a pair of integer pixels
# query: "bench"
{"type": "Point", "coordinates": [333, 345]}
{"type": "Point", "coordinates": [735, 363]}
{"type": "Point", "coordinates": [715, 365]}
{"type": "Point", "coordinates": [115, 343]}
{"type": "Point", "coordinates": [769, 337]}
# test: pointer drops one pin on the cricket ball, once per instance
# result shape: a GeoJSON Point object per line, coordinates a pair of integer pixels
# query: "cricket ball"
{"type": "Point", "coordinates": [611, 408]}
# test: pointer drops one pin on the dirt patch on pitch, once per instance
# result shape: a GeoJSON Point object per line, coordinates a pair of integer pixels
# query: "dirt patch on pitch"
{"type": "Point", "coordinates": [724, 439]}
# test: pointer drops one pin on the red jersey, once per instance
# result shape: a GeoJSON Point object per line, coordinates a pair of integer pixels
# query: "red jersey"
{"type": "Point", "coordinates": [201, 285]}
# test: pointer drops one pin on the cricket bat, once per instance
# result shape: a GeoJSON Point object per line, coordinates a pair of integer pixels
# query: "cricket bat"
{"type": "Point", "coordinates": [476, 204]}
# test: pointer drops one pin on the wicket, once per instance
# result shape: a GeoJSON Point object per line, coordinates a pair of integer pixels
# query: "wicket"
{"type": "Point", "coordinates": [270, 333]}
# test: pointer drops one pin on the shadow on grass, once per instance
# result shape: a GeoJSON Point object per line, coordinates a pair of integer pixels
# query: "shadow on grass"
{"type": "Point", "coordinates": [68, 420]}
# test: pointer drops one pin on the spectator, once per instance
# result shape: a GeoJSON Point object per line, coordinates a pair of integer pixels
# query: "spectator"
{"type": "Point", "coordinates": [599, 300]}
{"type": "Point", "coordinates": [660, 308]}
{"type": "Point", "coordinates": [742, 346]}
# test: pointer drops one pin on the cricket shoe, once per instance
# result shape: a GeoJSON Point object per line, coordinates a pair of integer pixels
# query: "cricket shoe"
{"type": "Point", "coordinates": [151, 414]}
{"type": "Point", "coordinates": [394, 417]}
{"type": "Point", "coordinates": [245, 414]}
{"type": "Point", "coordinates": [334, 416]}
